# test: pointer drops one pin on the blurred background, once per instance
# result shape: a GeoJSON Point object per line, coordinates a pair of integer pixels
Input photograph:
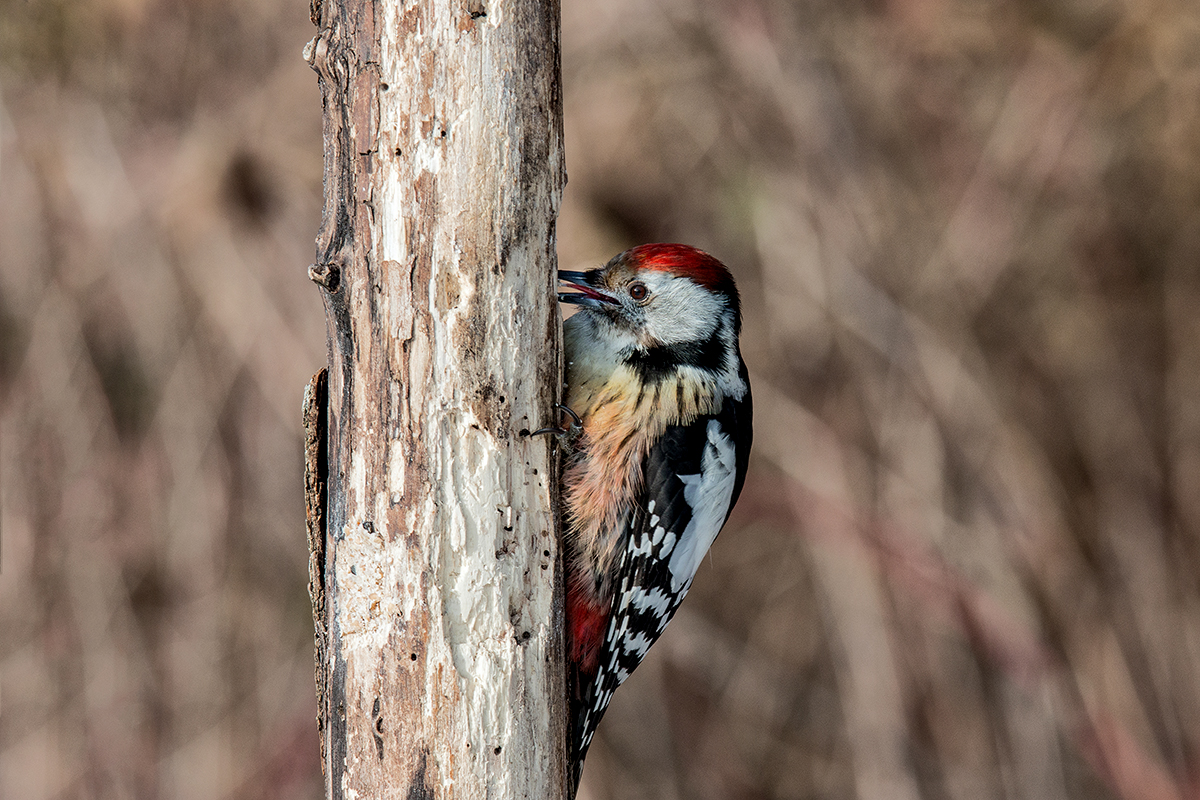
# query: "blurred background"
{"type": "Point", "coordinates": [967, 560]}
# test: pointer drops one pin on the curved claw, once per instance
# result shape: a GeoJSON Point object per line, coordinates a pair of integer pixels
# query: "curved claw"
{"type": "Point", "coordinates": [576, 423]}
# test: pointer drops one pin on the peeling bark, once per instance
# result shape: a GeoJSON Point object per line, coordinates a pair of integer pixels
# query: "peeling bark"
{"type": "Point", "coordinates": [316, 461]}
{"type": "Point", "coordinates": [441, 575]}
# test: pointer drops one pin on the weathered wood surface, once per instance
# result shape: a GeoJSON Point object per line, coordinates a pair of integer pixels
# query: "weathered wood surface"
{"type": "Point", "coordinates": [316, 461]}
{"type": "Point", "coordinates": [443, 172]}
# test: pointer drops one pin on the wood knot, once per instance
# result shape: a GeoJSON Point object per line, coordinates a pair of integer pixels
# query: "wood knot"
{"type": "Point", "coordinates": [326, 275]}
{"type": "Point", "coordinates": [325, 56]}
{"type": "Point", "coordinates": [310, 54]}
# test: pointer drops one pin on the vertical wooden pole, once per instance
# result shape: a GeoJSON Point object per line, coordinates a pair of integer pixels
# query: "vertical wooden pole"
{"type": "Point", "coordinates": [441, 667]}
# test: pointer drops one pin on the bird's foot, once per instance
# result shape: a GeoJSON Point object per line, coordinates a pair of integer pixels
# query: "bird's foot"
{"type": "Point", "coordinates": [576, 423]}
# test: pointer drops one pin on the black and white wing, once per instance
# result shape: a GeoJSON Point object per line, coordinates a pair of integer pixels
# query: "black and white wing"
{"type": "Point", "coordinates": [692, 478]}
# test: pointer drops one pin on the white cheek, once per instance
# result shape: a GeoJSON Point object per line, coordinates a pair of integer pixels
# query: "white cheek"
{"type": "Point", "coordinates": [681, 311]}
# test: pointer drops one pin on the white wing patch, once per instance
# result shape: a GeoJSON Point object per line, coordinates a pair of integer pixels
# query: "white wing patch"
{"type": "Point", "coordinates": [709, 495]}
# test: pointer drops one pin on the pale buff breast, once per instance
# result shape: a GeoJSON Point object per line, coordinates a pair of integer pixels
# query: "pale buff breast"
{"type": "Point", "coordinates": [622, 420]}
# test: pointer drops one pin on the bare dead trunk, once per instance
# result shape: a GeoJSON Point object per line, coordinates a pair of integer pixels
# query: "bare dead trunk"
{"type": "Point", "coordinates": [438, 588]}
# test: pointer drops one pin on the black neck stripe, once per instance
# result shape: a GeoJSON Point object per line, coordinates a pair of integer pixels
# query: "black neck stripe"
{"type": "Point", "coordinates": [657, 363]}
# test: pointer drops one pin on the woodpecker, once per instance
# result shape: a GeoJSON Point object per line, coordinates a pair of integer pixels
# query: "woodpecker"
{"type": "Point", "coordinates": [655, 461]}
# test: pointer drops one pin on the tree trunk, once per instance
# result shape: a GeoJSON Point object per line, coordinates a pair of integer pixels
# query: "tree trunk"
{"type": "Point", "coordinates": [436, 577]}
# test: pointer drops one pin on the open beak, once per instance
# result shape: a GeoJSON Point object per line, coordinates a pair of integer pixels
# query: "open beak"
{"type": "Point", "coordinates": [587, 296]}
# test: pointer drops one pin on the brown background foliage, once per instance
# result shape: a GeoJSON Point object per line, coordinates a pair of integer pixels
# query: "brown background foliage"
{"type": "Point", "coordinates": [967, 562]}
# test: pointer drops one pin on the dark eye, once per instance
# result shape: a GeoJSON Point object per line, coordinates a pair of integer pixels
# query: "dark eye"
{"type": "Point", "coordinates": [638, 291]}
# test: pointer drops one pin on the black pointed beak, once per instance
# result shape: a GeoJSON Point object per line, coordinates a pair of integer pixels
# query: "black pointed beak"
{"type": "Point", "coordinates": [587, 296]}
